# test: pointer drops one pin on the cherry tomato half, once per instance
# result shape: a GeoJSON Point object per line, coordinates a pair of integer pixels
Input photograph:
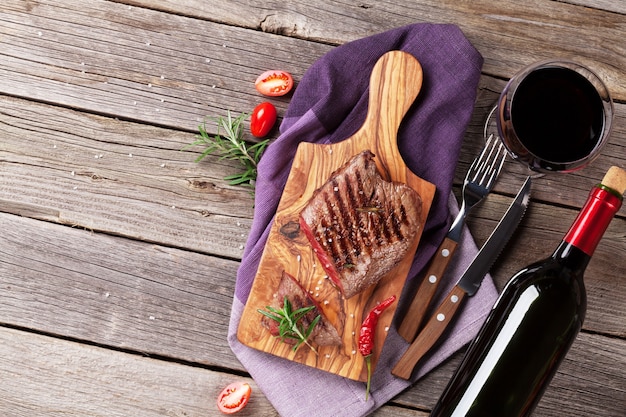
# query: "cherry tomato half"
{"type": "Point", "coordinates": [234, 397]}
{"type": "Point", "coordinates": [274, 83]}
{"type": "Point", "coordinates": [262, 119]}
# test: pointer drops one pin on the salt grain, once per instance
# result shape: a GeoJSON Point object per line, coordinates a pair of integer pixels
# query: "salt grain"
{"type": "Point", "coordinates": [152, 317]}
{"type": "Point", "coordinates": [130, 155]}
{"type": "Point", "coordinates": [75, 188]}
{"type": "Point", "coordinates": [386, 328]}
{"type": "Point", "coordinates": [149, 85]}
{"type": "Point", "coordinates": [354, 352]}
{"type": "Point", "coordinates": [162, 165]}
{"type": "Point", "coordinates": [39, 33]}
{"type": "Point", "coordinates": [72, 173]}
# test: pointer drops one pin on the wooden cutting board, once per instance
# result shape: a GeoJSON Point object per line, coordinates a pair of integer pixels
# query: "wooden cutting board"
{"type": "Point", "coordinates": [395, 83]}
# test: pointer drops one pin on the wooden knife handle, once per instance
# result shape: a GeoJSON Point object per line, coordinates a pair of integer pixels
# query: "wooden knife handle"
{"type": "Point", "coordinates": [430, 334]}
{"type": "Point", "coordinates": [414, 317]}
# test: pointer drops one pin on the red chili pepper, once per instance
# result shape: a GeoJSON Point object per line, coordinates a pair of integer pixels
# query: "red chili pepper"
{"type": "Point", "coordinates": [366, 336]}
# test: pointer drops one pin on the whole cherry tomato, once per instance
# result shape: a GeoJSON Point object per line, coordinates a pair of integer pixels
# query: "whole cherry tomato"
{"type": "Point", "coordinates": [234, 397]}
{"type": "Point", "coordinates": [262, 119]}
{"type": "Point", "coordinates": [274, 83]}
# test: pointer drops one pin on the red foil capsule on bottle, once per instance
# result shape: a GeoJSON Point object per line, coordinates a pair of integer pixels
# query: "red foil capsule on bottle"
{"type": "Point", "coordinates": [600, 207]}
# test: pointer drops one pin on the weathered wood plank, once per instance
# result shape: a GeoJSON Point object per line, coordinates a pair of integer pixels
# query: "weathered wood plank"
{"type": "Point", "coordinates": [608, 5]}
{"type": "Point", "coordinates": [139, 64]}
{"type": "Point", "coordinates": [509, 34]}
{"type": "Point", "coordinates": [116, 292]}
{"type": "Point", "coordinates": [118, 177]}
{"type": "Point", "coordinates": [173, 70]}
{"type": "Point", "coordinates": [45, 376]}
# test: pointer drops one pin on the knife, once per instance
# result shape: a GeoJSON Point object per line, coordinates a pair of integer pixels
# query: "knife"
{"type": "Point", "coordinates": [466, 286]}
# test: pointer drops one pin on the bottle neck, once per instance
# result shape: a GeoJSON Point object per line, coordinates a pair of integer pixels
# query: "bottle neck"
{"type": "Point", "coordinates": [593, 219]}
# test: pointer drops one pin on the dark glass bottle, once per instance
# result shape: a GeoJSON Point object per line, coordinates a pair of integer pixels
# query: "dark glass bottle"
{"type": "Point", "coordinates": [531, 327]}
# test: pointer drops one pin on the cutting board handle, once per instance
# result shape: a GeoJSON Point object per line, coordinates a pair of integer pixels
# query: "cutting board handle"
{"type": "Point", "coordinates": [395, 82]}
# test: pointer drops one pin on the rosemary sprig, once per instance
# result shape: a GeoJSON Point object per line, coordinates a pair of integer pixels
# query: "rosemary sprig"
{"type": "Point", "coordinates": [229, 144]}
{"type": "Point", "coordinates": [290, 324]}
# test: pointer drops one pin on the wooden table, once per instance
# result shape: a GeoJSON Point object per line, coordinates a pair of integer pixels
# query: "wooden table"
{"type": "Point", "coordinates": [118, 253]}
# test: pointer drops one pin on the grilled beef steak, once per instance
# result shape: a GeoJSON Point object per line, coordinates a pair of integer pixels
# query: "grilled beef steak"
{"type": "Point", "coordinates": [324, 334]}
{"type": "Point", "coordinates": [360, 226]}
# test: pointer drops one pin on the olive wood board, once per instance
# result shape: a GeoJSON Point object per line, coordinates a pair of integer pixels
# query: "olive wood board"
{"type": "Point", "coordinates": [394, 84]}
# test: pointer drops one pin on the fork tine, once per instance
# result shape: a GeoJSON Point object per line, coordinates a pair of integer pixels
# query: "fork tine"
{"type": "Point", "coordinates": [497, 166]}
{"type": "Point", "coordinates": [477, 166]}
{"type": "Point", "coordinates": [487, 166]}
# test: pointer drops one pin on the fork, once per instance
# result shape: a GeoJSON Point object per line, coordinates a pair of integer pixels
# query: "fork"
{"type": "Point", "coordinates": [479, 180]}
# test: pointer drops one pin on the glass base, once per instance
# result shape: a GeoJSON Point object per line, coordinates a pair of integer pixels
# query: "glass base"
{"type": "Point", "coordinates": [491, 128]}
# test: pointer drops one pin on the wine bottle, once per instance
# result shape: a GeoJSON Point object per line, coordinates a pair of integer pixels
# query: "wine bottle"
{"type": "Point", "coordinates": [532, 325]}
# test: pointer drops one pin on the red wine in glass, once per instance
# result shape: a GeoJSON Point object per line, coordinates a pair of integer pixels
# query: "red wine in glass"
{"type": "Point", "coordinates": [555, 116]}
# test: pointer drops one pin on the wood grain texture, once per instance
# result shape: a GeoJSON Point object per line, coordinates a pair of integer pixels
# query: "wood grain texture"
{"type": "Point", "coordinates": [508, 33]}
{"type": "Point", "coordinates": [118, 177]}
{"type": "Point", "coordinates": [116, 292]}
{"type": "Point", "coordinates": [395, 83]}
{"type": "Point", "coordinates": [65, 378]}
{"type": "Point", "coordinates": [416, 313]}
{"type": "Point", "coordinates": [82, 79]}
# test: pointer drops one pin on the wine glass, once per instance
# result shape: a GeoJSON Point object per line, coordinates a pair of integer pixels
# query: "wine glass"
{"type": "Point", "coordinates": [553, 116]}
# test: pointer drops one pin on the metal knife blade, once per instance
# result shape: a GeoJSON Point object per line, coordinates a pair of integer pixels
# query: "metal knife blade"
{"type": "Point", "coordinates": [473, 276]}
{"type": "Point", "coordinates": [467, 285]}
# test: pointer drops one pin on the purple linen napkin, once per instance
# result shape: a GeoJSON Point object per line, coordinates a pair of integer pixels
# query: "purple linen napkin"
{"type": "Point", "coordinates": [328, 106]}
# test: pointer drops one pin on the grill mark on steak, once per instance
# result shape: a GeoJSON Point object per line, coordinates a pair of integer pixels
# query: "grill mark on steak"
{"type": "Point", "coordinates": [363, 223]}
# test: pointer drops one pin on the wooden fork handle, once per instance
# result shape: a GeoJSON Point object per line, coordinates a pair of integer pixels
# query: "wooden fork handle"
{"type": "Point", "coordinates": [412, 321]}
{"type": "Point", "coordinates": [431, 333]}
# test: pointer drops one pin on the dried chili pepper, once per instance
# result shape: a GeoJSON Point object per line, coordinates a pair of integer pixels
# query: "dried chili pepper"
{"type": "Point", "coordinates": [366, 337]}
